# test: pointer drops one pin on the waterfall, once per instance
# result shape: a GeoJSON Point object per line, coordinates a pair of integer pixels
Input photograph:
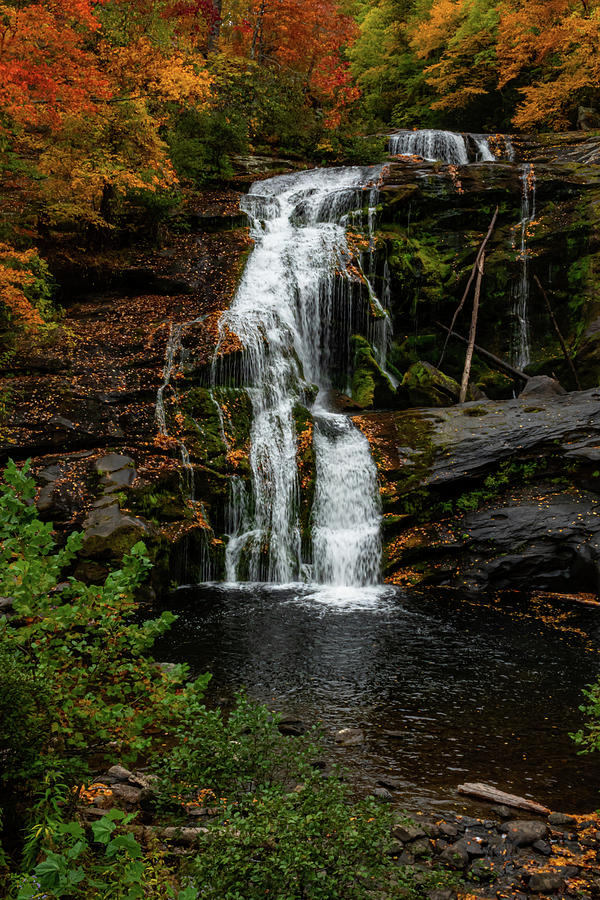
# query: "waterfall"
{"type": "Point", "coordinates": [294, 323]}
{"type": "Point", "coordinates": [522, 349]}
{"type": "Point", "coordinates": [449, 147]}
{"type": "Point", "coordinates": [445, 146]}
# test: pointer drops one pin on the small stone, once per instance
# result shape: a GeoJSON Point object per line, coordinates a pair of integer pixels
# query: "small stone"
{"type": "Point", "coordinates": [483, 870]}
{"type": "Point", "coordinates": [503, 812]}
{"type": "Point", "coordinates": [542, 847]}
{"type": "Point", "coordinates": [441, 894]}
{"type": "Point", "coordinates": [562, 821]}
{"type": "Point", "coordinates": [545, 883]}
{"type": "Point", "coordinates": [381, 793]}
{"type": "Point", "coordinates": [522, 833]}
{"type": "Point", "coordinates": [455, 857]}
{"type": "Point", "coordinates": [120, 773]}
{"type": "Point", "coordinates": [474, 848]}
{"type": "Point", "coordinates": [349, 737]}
{"type": "Point", "coordinates": [448, 830]}
{"type": "Point", "coordinates": [419, 848]}
{"type": "Point", "coordinates": [396, 849]}
{"type": "Point", "coordinates": [127, 793]}
{"type": "Point", "coordinates": [406, 833]}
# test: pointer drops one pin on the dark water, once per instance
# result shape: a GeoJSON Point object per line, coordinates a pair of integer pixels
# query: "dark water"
{"type": "Point", "coordinates": [475, 692]}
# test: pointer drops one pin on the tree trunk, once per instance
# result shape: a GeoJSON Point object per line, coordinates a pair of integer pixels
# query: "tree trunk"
{"type": "Point", "coordinates": [468, 287]}
{"type": "Point", "coordinates": [469, 356]}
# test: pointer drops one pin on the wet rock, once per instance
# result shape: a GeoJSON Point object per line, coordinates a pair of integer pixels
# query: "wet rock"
{"type": "Point", "coordinates": [349, 737]}
{"type": "Point", "coordinates": [483, 870]}
{"type": "Point", "coordinates": [448, 830]}
{"type": "Point", "coordinates": [424, 385]}
{"type": "Point", "coordinates": [6, 604]}
{"type": "Point", "coordinates": [562, 820]}
{"type": "Point", "coordinates": [109, 532]}
{"type": "Point", "coordinates": [421, 847]}
{"type": "Point", "coordinates": [542, 386]}
{"type": "Point", "coordinates": [291, 726]}
{"type": "Point", "coordinates": [381, 793]}
{"type": "Point", "coordinates": [503, 812]}
{"type": "Point", "coordinates": [545, 883]}
{"type": "Point", "coordinates": [390, 783]}
{"type": "Point", "coordinates": [473, 848]}
{"type": "Point", "coordinates": [441, 894]}
{"type": "Point", "coordinates": [523, 833]}
{"type": "Point", "coordinates": [117, 469]}
{"type": "Point", "coordinates": [542, 847]}
{"type": "Point", "coordinates": [407, 832]}
{"type": "Point", "coordinates": [455, 856]}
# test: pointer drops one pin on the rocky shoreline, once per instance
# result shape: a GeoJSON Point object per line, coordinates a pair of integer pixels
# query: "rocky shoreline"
{"type": "Point", "coordinates": [499, 856]}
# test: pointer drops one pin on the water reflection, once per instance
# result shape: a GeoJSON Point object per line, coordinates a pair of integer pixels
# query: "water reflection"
{"type": "Point", "coordinates": [445, 691]}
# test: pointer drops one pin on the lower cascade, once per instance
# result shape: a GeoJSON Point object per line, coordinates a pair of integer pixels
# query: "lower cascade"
{"type": "Point", "coordinates": [294, 313]}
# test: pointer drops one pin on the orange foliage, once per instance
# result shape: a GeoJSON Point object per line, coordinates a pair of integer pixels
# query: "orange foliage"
{"type": "Point", "coordinates": [15, 276]}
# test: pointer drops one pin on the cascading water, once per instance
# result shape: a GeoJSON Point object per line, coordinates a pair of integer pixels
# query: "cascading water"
{"type": "Point", "coordinates": [294, 322]}
{"type": "Point", "coordinates": [430, 144]}
{"type": "Point", "coordinates": [522, 348]}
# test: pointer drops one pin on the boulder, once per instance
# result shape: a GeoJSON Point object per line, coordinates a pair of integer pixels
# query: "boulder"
{"type": "Point", "coordinates": [110, 533]}
{"type": "Point", "coordinates": [424, 385]}
{"type": "Point", "coordinates": [542, 386]}
{"type": "Point", "coordinates": [523, 832]}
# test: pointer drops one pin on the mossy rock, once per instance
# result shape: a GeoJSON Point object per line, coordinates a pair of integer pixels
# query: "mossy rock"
{"type": "Point", "coordinates": [424, 385]}
{"type": "Point", "coordinates": [371, 387]}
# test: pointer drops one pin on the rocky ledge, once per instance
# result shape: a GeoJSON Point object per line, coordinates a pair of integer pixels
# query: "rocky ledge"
{"type": "Point", "coordinates": [492, 494]}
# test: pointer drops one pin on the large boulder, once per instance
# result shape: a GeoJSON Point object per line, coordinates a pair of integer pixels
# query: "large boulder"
{"type": "Point", "coordinates": [542, 386]}
{"type": "Point", "coordinates": [109, 533]}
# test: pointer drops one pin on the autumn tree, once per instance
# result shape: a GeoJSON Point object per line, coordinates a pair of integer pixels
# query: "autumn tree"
{"type": "Point", "coordinates": [554, 47]}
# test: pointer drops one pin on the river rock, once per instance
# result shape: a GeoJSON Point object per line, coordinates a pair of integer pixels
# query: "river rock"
{"type": "Point", "coordinates": [562, 820]}
{"type": "Point", "coordinates": [545, 883]}
{"type": "Point", "coordinates": [523, 833]}
{"type": "Point", "coordinates": [483, 870]}
{"type": "Point", "coordinates": [407, 832]}
{"type": "Point", "coordinates": [381, 793]}
{"type": "Point", "coordinates": [455, 856]}
{"type": "Point", "coordinates": [120, 773]}
{"type": "Point", "coordinates": [350, 737]}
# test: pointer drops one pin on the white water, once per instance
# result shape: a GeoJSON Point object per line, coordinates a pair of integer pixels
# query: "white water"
{"type": "Point", "coordinates": [294, 318]}
{"type": "Point", "coordinates": [445, 146]}
{"type": "Point", "coordinates": [522, 336]}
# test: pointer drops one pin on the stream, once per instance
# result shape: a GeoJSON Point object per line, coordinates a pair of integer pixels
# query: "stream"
{"type": "Point", "coordinates": [472, 692]}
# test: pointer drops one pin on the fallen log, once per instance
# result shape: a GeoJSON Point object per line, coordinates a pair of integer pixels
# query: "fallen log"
{"type": "Point", "coordinates": [500, 363]}
{"type": "Point", "coordinates": [492, 795]}
{"type": "Point", "coordinates": [581, 599]}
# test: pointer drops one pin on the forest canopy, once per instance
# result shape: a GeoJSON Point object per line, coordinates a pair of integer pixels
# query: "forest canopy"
{"type": "Point", "coordinates": [109, 109]}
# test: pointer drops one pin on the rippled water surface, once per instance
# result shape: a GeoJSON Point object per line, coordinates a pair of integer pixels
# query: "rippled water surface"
{"type": "Point", "coordinates": [471, 692]}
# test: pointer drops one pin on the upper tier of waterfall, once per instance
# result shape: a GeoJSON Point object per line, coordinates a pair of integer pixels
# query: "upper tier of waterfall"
{"type": "Point", "coordinates": [293, 313]}
{"type": "Point", "coordinates": [450, 147]}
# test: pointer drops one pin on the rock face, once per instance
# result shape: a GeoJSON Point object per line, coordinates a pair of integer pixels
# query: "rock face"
{"type": "Point", "coordinates": [492, 494]}
{"type": "Point", "coordinates": [496, 493]}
